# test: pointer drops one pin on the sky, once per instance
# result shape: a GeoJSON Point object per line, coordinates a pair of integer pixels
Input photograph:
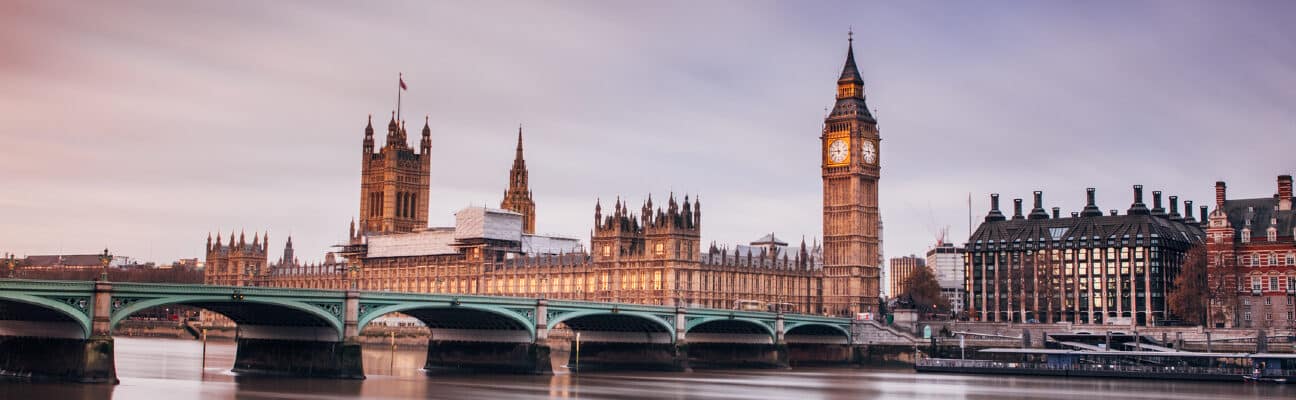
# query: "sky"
{"type": "Point", "coordinates": [142, 126]}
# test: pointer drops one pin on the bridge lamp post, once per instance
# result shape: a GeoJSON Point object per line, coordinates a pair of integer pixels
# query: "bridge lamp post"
{"type": "Point", "coordinates": [11, 265]}
{"type": "Point", "coordinates": [544, 287]}
{"type": "Point", "coordinates": [104, 259]}
{"type": "Point", "coordinates": [353, 273]}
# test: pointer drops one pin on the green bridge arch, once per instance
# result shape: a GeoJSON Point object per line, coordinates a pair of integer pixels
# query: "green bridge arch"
{"type": "Point", "coordinates": [125, 311]}
{"type": "Point", "coordinates": [670, 329]}
{"type": "Point", "coordinates": [700, 321]}
{"type": "Point", "coordinates": [371, 315]}
{"type": "Point", "coordinates": [789, 326]}
{"type": "Point", "coordinates": [81, 317]}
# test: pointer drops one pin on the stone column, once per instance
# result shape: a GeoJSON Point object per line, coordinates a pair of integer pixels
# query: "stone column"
{"type": "Point", "coordinates": [681, 341]}
{"type": "Point", "coordinates": [780, 345]}
{"type": "Point", "coordinates": [98, 364]}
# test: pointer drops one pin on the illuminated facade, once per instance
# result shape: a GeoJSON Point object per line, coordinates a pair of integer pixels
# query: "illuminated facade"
{"type": "Point", "coordinates": [649, 255]}
{"type": "Point", "coordinates": [1089, 268]}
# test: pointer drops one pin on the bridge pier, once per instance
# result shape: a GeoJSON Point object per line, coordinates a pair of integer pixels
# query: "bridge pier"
{"type": "Point", "coordinates": [302, 351]}
{"type": "Point", "coordinates": [299, 358]}
{"type": "Point", "coordinates": [56, 350]}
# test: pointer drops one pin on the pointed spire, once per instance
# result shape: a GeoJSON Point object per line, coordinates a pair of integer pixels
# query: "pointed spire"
{"type": "Point", "coordinates": [850, 72]}
{"type": "Point", "coordinates": [369, 127]}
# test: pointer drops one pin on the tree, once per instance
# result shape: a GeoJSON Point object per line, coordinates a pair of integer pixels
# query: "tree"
{"type": "Point", "coordinates": [1189, 295]}
{"type": "Point", "coordinates": [924, 293]}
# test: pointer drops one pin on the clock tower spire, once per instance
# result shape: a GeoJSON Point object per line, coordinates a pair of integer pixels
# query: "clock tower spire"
{"type": "Point", "coordinates": [851, 224]}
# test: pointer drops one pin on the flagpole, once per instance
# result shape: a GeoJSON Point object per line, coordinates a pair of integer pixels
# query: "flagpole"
{"type": "Point", "coordinates": [399, 78]}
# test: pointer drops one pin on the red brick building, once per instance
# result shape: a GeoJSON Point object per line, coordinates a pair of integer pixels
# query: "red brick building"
{"type": "Point", "coordinates": [1251, 260]}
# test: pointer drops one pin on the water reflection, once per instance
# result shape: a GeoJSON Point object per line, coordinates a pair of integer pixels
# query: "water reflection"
{"type": "Point", "coordinates": [172, 369]}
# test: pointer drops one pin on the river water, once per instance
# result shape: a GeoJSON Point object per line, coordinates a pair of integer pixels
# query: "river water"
{"type": "Point", "coordinates": [172, 369]}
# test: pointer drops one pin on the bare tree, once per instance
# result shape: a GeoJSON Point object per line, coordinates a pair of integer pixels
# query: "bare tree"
{"type": "Point", "coordinates": [1190, 295]}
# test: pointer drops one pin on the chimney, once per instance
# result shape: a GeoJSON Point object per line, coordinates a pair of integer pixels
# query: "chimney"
{"type": "Point", "coordinates": [1284, 192]}
{"type": "Point", "coordinates": [1157, 209]}
{"type": "Point", "coordinates": [1057, 212]}
{"type": "Point", "coordinates": [1075, 214]}
{"type": "Point", "coordinates": [1188, 212]}
{"type": "Point", "coordinates": [1017, 209]}
{"type": "Point", "coordinates": [1113, 212]}
{"type": "Point", "coordinates": [1174, 209]}
{"type": "Point", "coordinates": [1090, 209]}
{"type": "Point", "coordinates": [1204, 212]}
{"type": "Point", "coordinates": [1038, 212]}
{"type": "Point", "coordinates": [1138, 208]}
{"type": "Point", "coordinates": [994, 214]}
{"type": "Point", "coordinates": [1219, 195]}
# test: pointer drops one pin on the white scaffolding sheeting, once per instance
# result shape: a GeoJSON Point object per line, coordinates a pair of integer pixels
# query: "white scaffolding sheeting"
{"type": "Point", "coordinates": [488, 223]}
{"type": "Point", "coordinates": [430, 242]}
{"type": "Point", "coordinates": [535, 244]}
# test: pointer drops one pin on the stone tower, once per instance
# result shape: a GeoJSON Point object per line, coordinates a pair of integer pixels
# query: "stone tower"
{"type": "Point", "coordinates": [851, 221]}
{"type": "Point", "coordinates": [518, 196]}
{"type": "Point", "coordinates": [237, 263]}
{"type": "Point", "coordinates": [394, 181]}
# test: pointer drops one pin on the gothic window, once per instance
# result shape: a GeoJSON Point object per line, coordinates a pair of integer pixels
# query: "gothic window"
{"type": "Point", "coordinates": [607, 250]}
{"type": "Point", "coordinates": [659, 249]}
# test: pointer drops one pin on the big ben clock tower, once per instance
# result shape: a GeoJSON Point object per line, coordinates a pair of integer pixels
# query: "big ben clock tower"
{"type": "Point", "coordinates": [850, 198]}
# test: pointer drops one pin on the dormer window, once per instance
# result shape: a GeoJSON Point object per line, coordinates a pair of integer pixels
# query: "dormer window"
{"type": "Point", "coordinates": [1246, 235]}
{"type": "Point", "coordinates": [1273, 234]}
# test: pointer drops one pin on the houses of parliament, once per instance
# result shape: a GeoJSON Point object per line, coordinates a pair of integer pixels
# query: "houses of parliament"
{"type": "Point", "coordinates": [647, 253]}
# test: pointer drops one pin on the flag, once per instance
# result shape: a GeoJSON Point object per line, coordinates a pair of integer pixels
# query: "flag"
{"type": "Point", "coordinates": [402, 83]}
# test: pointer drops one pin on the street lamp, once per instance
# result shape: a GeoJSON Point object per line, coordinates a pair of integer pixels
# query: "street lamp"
{"type": "Point", "coordinates": [105, 259]}
{"type": "Point", "coordinates": [11, 266]}
{"type": "Point", "coordinates": [352, 274]}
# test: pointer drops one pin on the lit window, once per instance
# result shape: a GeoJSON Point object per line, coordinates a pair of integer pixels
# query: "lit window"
{"type": "Point", "coordinates": [660, 249]}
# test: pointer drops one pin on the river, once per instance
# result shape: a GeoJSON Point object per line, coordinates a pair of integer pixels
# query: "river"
{"type": "Point", "coordinates": [172, 369]}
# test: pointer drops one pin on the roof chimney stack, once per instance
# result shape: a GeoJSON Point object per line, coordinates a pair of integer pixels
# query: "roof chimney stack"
{"type": "Point", "coordinates": [1138, 208]}
{"type": "Point", "coordinates": [1219, 195]}
{"type": "Point", "coordinates": [1091, 209]}
{"type": "Point", "coordinates": [1017, 209]}
{"type": "Point", "coordinates": [1188, 212]}
{"type": "Point", "coordinates": [1038, 212]}
{"type": "Point", "coordinates": [1174, 209]}
{"type": "Point", "coordinates": [1284, 192]}
{"type": "Point", "coordinates": [1113, 212]}
{"type": "Point", "coordinates": [1204, 213]}
{"type": "Point", "coordinates": [1057, 212]}
{"type": "Point", "coordinates": [1075, 214]}
{"type": "Point", "coordinates": [994, 214]}
{"type": "Point", "coordinates": [1157, 209]}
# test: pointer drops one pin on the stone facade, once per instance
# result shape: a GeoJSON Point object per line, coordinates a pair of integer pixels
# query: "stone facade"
{"type": "Point", "coordinates": [518, 196]}
{"type": "Point", "coordinates": [394, 181]}
{"type": "Point", "coordinates": [649, 255]}
{"type": "Point", "coordinates": [851, 220]}
{"type": "Point", "coordinates": [1251, 260]}
{"type": "Point", "coordinates": [236, 263]}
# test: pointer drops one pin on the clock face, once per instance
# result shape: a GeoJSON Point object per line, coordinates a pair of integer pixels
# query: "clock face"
{"type": "Point", "coordinates": [838, 151]}
{"type": "Point", "coordinates": [870, 153]}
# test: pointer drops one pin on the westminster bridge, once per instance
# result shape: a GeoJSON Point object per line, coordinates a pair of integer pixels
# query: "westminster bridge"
{"type": "Point", "coordinates": [61, 330]}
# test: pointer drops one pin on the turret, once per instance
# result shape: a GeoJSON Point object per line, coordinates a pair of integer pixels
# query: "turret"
{"type": "Point", "coordinates": [368, 137]}
{"type": "Point", "coordinates": [425, 145]}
